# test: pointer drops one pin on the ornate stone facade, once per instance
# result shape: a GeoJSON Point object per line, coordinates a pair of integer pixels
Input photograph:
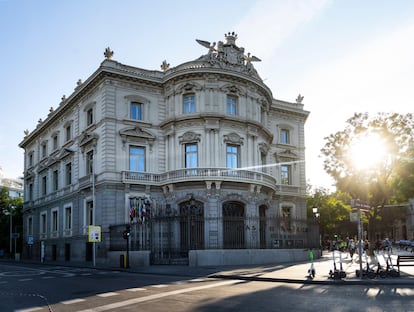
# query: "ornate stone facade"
{"type": "Point", "coordinates": [203, 140]}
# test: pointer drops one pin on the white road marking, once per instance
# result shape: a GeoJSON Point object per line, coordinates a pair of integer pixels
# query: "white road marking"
{"type": "Point", "coordinates": [120, 304]}
{"type": "Point", "coordinates": [73, 301]}
{"type": "Point", "coordinates": [159, 286]}
{"type": "Point", "coordinates": [108, 294]}
{"type": "Point", "coordinates": [25, 279]}
{"type": "Point", "coordinates": [29, 310]}
{"type": "Point", "coordinates": [135, 289]}
{"type": "Point", "coordinates": [48, 277]}
{"type": "Point", "coordinates": [198, 280]}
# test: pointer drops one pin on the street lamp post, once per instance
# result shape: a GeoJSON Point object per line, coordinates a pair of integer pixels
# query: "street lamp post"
{"type": "Point", "coordinates": [11, 230]}
{"type": "Point", "coordinates": [359, 239]}
{"type": "Point", "coordinates": [316, 216]}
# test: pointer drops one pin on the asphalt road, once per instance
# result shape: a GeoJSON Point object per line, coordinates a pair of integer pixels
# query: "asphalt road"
{"type": "Point", "coordinates": [25, 287]}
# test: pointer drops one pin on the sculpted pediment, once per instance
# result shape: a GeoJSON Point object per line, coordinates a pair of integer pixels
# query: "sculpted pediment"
{"type": "Point", "coordinates": [189, 137]}
{"type": "Point", "coordinates": [286, 154]}
{"type": "Point", "coordinates": [233, 138]}
{"type": "Point", "coordinates": [136, 134]}
{"type": "Point", "coordinates": [88, 138]}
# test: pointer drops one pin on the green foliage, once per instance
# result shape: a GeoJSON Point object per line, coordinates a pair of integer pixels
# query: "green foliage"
{"type": "Point", "coordinates": [404, 180]}
{"type": "Point", "coordinates": [6, 202]}
{"type": "Point", "coordinates": [387, 181]}
{"type": "Point", "coordinates": [333, 209]}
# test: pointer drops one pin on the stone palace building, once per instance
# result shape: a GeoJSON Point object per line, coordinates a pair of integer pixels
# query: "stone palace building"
{"type": "Point", "coordinates": [198, 163]}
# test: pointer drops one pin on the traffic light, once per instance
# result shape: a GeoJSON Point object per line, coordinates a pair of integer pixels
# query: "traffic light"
{"type": "Point", "coordinates": [127, 232]}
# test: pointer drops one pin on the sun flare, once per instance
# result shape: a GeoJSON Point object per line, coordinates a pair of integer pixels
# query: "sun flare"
{"type": "Point", "coordinates": [368, 151]}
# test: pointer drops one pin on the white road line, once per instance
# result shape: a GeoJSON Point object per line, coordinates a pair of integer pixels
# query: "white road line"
{"type": "Point", "coordinates": [48, 277]}
{"type": "Point", "coordinates": [108, 294]}
{"type": "Point", "coordinates": [136, 289]}
{"type": "Point", "coordinates": [85, 274]}
{"type": "Point", "coordinates": [73, 301]}
{"type": "Point", "coordinates": [29, 310]}
{"type": "Point", "coordinates": [25, 279]}
{"type": "Point", "coordinates": [159, 286]}
{"type": "Point", "coordinates": [120, 304]}
{"type": "Point", "coordinates": [198, 280]}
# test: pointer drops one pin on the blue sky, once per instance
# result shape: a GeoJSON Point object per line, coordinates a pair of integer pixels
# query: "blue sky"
{"type": "Point", "coordinates": [344, 56]}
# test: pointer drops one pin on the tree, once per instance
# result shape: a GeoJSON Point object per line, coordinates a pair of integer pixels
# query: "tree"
{"type": "Point", "coordinates": [404, 181]}
{"type": "Point", "coordinates": [375, 181]}
{"type": "Point", "coordinates": [333, 209]}
{"type": "Point", "coordinates": [6, 202]}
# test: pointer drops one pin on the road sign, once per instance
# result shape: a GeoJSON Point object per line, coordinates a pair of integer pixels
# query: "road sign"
{"type": "Point", "coordinates": [353, 216]}
{"type": "Point", "coordinates": [15, 235]}
{"type": "Point", "coordinates": [94, 234]}
{"type": "Point", "coordinates": [30, 239]}
{"type": "Point", "coordinates": [356, 203]}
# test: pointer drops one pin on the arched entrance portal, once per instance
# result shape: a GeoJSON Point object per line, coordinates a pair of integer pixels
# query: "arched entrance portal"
{"type": "Point", "coordinates": [233, 225]}
{"type": "Point", "coordinates": [191, 226]}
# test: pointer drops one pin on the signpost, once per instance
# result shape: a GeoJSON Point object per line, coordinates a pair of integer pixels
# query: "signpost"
{"type": "Point", "coordinates": [94, 236]}
{"type": "Point", "coordinates": [356, 203]}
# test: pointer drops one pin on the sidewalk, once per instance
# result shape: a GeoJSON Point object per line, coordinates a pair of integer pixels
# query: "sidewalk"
{"type": "Point", "coordinates": [286, 272]}
{"type": "Point", "coordinates": [298, 272]}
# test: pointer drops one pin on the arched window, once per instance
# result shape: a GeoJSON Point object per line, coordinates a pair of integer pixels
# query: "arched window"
{"type": "Point", "coordinates": [233, 225]}
{"type": "Point", "coordinates": [191, 226]}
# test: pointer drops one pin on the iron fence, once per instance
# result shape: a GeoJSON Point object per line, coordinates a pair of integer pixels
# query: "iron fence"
{"type": "Point", "coordinates": [170, 237]}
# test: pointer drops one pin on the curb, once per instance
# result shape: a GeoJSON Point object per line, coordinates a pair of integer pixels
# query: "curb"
{"type": "Point", "coordinates": [340, 282]}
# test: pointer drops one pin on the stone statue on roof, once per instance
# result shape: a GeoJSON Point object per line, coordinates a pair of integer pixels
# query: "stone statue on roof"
{"type": "Point", "coordinates": [228, 55]}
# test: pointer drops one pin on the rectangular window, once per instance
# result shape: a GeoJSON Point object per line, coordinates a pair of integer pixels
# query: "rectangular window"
{"type": "Point", "coordinates": [284, 136]}
{"type": "Point", "coordinates": [44, 149]}
{"type": "Point", "coordinates": [189, 104]}
{"type": "Point", "coordinates": [191, 157]}
{"type": "Point", "coordinates": [54, 221]}
{"type": "Point", "coordinates": [136, 111]}
{"type": "Point", "coordinates": [231, 105]}
{"type": "Point", "coordinates": [89, 213]}
{"type": "Point", "coordinates": [30, 191]}
{"type": "Point", "coordinates": [68, 218]}
{"type": "Point", "coordinates": [89, 163]}
{"type": "Point", "coordinates": [68, 133]}
{"type": "Point", "coordinates": [44, 185]}
{"type": "Point", "coordinates": [89, 117]}
{"type": "Point", "coordinates": [43, 223]}
{"type": "Point", "coordinates": [30, 226]}
{"type": "Point", "coordinates": [68, 173]}
{"type": "Point", "coordinates": [137, 159]}
{"type": "Point", "coordinates": [232, 156]}
{"type": "Point", "coordinates": [55, 180]}
{"type": "Point", "coordinates": [55, 142]}
{"type": "Point", "coordinates": [285, 174]}
{"type": "Point", "coordinates": [31, 159]}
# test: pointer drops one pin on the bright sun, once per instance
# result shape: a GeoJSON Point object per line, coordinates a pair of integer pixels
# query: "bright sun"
{"type": "Point", "coordinates": [367, 151]}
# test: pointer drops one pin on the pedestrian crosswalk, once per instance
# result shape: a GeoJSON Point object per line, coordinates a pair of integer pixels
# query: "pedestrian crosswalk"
{"type": "Point", "coordinates": [147, 293]}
